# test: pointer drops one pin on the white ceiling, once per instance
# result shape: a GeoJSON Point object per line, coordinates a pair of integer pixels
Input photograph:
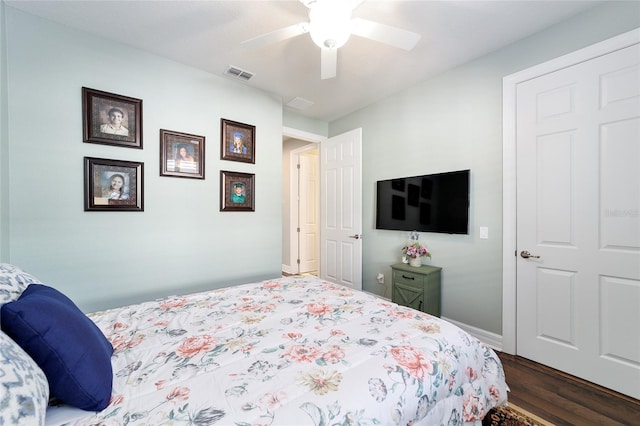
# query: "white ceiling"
{"type": "Point", "coordinates": [207, 35]}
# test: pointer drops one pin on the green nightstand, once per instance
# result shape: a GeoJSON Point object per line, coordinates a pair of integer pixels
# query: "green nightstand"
{"type": "Point", "coordinates": [416, 287]}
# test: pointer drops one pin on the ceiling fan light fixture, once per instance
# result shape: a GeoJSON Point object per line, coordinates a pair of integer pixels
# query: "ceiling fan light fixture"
{"type": "Point", "coordinates": [330, 23]}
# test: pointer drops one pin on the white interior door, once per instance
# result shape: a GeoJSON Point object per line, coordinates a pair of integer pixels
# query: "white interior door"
{"type": "Point", "coordinates": [308, 211]}
{"type": "Point", "coordinates": [578, 204]}
{"type": "Point", "coordinates": [341, 209]}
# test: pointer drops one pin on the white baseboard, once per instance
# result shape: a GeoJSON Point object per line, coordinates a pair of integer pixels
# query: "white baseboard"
{"type": "Point", "coordinates": [490, 339]}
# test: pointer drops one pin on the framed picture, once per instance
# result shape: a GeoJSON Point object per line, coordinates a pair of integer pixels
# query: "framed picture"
{"type": "Point", "coordinates": [181, 155]}
{"type": "Point", "coordinates": [237, 142]}
{"type": "Point", "coordinates": [236, 191]}
{"type": "Point", "coordinates": [111, 119]}
{"type": "Point", "coordinates": [113, 185]}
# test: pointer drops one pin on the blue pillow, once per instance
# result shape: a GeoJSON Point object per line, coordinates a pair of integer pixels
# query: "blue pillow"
{"type": "Point", "coordinates": [70, 349]}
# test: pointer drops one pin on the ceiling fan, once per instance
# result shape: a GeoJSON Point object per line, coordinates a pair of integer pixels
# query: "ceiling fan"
{"type": "Point", "coordinates": [330, 26]}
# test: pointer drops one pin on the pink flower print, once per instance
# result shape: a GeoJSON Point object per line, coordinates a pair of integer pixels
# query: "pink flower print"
{"type": "Point", "coordinates": [494, 391]}
{"type": "Point", "coordinates": [180, 393]}
{"type": "Point", "coordinates": [271, 284]}
{"type": "Point", "coordinates": [192, 346]}
{"type": "Point", "coordinates": [334, 355]}
{"type": "Point", "coordinates": [471, 374]}
{"type": "Point", "coordinates": [292, 336]}
{"type": "Point", "coordinates": [302, 353]}
{"type": "Point", "coordinates": [118, 342]}
{"type": "Point", "coordinates": [319, 308]}
{"type": "Point", "coordinates": [173, 303]}
{"type": "Point", "coordinates": [121, 342]}
{"type": "Point", "coordinates": [119, 326]}
{"type": "Point", "coordinates": [413, 361]}
{"type": "Point", "coordinates": [472, 408]}
{"type": "Point", "coordinates": [337, 332]}
{"type": "Point", "coordinates": [160, 384]}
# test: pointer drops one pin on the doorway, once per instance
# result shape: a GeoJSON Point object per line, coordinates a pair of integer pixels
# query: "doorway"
{"type": "Point", "coordinates": [304, 210]}
{"type": "Point", "coordinates": [300, 203]}
{"type": "Point", "coordinates": [339, 206]}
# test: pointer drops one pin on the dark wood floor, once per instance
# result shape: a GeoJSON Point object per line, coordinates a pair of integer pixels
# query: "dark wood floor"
{"type": "Point", "coordinates": [563, 399]}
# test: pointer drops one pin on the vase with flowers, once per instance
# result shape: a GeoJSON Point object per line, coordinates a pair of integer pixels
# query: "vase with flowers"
{"type": "Point", "coordinates": [414, 251]}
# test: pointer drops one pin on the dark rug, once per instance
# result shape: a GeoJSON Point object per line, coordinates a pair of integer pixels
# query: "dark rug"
{"type": "Point", "coordinates": [511, 416]}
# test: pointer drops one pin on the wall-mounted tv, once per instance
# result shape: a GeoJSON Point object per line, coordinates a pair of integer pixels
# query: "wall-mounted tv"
{"type": "Point", "coordinates": [428, 203]}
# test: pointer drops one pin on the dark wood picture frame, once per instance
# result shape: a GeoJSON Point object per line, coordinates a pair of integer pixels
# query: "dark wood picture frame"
{"type": "Point", "coordinates": [181, 154]}
{"type": "Point", "coordinates": [237, 191]}
{"type": "Point", "coordinates": [111, 119]}
{"type": "Point", "coordinates": [237, 141]}
{"type": "Point", "coordinates": [113, 185]}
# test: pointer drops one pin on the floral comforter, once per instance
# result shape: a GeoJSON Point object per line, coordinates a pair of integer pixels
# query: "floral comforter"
{"type": "Point", "coordinates": [292, 351]}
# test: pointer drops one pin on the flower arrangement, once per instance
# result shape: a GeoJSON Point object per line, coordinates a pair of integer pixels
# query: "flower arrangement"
{"type": "Point", "coordinates": [415, 249]}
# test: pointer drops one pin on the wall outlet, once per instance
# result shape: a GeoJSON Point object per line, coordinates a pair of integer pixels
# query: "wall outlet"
{"type": "Point", "coordinates": [380, 278]}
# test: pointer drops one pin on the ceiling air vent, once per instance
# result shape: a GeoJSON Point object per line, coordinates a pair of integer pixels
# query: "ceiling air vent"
{"type": "Point", "coordinates": [236, 72]}
{"type": "Point", "coordinates": [299, 103]}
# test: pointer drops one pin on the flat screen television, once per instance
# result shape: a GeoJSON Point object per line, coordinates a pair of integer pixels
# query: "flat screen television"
{"type": "Point", "coordinates": [428, 203]}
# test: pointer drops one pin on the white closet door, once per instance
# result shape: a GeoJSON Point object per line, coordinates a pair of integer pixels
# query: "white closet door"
{"type": "Point", "coordinates": [578, 209]}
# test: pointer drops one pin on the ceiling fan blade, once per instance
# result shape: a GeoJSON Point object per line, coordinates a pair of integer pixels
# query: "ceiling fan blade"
{"type": "Point", "coordinates": [276, 36]}
{"type": "Point", "coordinates": [328, 63]}
{"type": "Point", "coordinates": [353, 4]}
{"type": "Point", "coordinates": [386, 34]}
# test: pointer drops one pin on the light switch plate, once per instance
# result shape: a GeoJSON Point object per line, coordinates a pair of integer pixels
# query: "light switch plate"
{"type": "Point", "coordinates": [484, 232]}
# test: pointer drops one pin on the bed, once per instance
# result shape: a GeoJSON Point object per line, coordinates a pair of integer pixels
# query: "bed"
{"type": "Point", "coordinates": [290, 351]}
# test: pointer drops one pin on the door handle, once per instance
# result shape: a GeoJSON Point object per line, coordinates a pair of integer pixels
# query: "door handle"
{"type": "Point", "coordinates": [356, 236]}
{"type": "Point", "coordinates": [525, 254]}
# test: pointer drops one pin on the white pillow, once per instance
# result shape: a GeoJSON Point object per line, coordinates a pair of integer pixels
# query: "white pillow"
{"type": "Point", "coordinates": [24, 390]}
{"type": "Point", "coordinates": [13, 281]}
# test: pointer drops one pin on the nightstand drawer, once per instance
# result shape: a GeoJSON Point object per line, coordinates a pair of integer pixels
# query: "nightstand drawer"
{"type": "Point", "coordinates": [408, 278]}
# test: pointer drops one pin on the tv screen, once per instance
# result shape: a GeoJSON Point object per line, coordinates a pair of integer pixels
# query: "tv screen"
{"type": "Point", "coordinates": [428, 203]}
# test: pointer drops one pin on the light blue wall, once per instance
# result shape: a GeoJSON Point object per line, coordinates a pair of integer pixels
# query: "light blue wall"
{"type": "Point", "coordinates": [296, 121]}
{"type": "Point", "coordinates": [181, 242]}
{"type": "Point", "coordinates": [451, 122]}
{"type": "Point", "coordinates": [4, 158]}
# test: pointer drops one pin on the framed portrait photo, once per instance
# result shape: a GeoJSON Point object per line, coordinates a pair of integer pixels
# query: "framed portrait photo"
{"type": "Point", "coordinates": [113, 185]}
{"type": "Point", "coordinates": [236, 191]}
{"type": "Point", "coordinates": [111, 119]}
{"type": "Point", "coordinates": [181, 154]}
{"type": "Point", "coordinates": [237, 141]}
